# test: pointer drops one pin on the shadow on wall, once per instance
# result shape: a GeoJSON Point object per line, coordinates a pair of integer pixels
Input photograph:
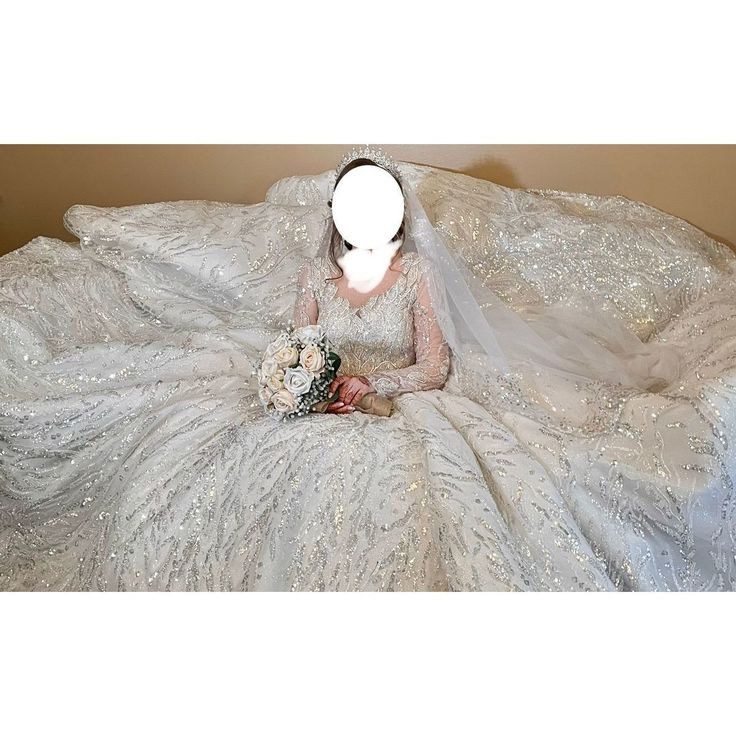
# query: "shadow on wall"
{"type": "Point", "coordinates": [491, 169]}
{"type": "Point", "coordinates": [494, 170]}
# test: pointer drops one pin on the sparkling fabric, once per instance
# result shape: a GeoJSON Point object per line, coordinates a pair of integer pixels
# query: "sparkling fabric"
{"type": "Point", "coordinates": [134, 454]}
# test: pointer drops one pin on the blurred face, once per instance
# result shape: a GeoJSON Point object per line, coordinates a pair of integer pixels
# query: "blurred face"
{"type": "Point", "coordinates": [368, 209]}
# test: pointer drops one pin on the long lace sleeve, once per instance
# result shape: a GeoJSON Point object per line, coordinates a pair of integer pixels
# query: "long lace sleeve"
{"type": "Point", "coordinates": [431, 350]}
{"type": "Point", "coordinates": [305, 306]}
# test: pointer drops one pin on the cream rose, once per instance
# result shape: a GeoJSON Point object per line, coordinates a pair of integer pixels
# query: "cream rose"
{"type": "Point", "coordinates": [298, 380]}
{"type": "Point", "coordinates": [310, 333]}
{"type": "Point", "coordinates": [283, 401]}
{"type": "Point", "coordinates": [276, 380]}
{"type": "Point", "coordinates": [282, 341]}
{"type": "Point", "coordinates": [265, 394]}
{"type": "Point", "coordinates": [286, 357]}
{"type": "Point", "coordinates": [268, 367]}
{"type": "Point", "coordinates": [312, 359]}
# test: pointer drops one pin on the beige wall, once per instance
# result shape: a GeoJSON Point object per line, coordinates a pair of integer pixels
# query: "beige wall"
{"type": "Point", "coordinates": [38, 183]}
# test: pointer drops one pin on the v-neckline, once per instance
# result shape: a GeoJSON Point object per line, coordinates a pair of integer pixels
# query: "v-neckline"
{"type": "Point", "coordinates": [371, 300]}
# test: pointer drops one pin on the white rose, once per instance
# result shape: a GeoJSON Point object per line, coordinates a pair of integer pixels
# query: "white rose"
{"type": "Point", "coordinates": [312, 359]}
{"type": "Point", "coordinates": [276, 380]}
{"type": "Point", "coordinates": [265, 394]}
{"type": "Point", "coordinates": [298, 380]}
{"type": "Point", "coordinates": [285, 357]}
{"type": "Point", "coordinates": [268, 368]}
{"type": "Point", "coordinates": [283, 401]}
{"type": "Point", "coordinates": [310, 333]}
{"type": "Point", "coordinates": [281, 341]}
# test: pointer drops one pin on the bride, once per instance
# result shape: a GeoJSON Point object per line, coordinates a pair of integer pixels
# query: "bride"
{"type": "Point", "coordinates": [390, 331]}
{"type": "Point", "coordinates": [542, 447]}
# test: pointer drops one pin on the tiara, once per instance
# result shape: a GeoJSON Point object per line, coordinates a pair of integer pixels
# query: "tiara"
{"type": "Point", "coordinates": [372, 154]}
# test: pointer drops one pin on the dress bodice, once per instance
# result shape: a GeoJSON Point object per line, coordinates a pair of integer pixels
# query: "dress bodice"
{"type": "Point", "coordinates": [377, 336]}
{"type": "Point", "coordinates": [393, 339]}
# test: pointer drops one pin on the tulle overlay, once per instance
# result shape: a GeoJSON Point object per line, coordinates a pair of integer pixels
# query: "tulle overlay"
{"type": "Point", "coordinates": [134, 454]}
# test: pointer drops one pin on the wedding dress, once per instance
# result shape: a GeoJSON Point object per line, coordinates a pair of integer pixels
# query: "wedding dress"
{"type": "Point", "coordinates": [134, 454]}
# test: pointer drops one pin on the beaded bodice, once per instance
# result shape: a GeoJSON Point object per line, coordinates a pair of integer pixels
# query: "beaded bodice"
{"type": "Point", "coordinates": [393, 339]}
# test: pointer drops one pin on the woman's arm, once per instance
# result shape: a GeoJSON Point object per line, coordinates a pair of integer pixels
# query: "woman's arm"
{"type": "Point", "coordinates": [306, 312]}
{"type": "Point", "coordinates": [305, 306]}
{"type": "Point", "coordinates": [432, 352]}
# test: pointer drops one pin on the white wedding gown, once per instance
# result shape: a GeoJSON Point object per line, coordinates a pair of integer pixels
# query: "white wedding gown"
{"type": "Point", "coordinates": [134, 453]}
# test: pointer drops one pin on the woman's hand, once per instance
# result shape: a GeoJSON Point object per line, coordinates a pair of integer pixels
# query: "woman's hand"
{"type": "Point", "coordinates": [338, 407]}
{"type": "Point", "coordinates": [351, 389]}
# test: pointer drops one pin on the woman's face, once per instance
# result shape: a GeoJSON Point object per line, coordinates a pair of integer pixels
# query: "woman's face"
{"type": "Point", "coordinates": [368, 209]}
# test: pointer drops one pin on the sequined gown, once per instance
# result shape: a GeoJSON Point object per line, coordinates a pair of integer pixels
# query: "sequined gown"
{"type": "Point", "coordinates": [134, 454]}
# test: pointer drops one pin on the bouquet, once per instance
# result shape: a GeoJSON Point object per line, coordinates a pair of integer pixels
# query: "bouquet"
{"type": "Point", "coordinates": [295, 374]}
